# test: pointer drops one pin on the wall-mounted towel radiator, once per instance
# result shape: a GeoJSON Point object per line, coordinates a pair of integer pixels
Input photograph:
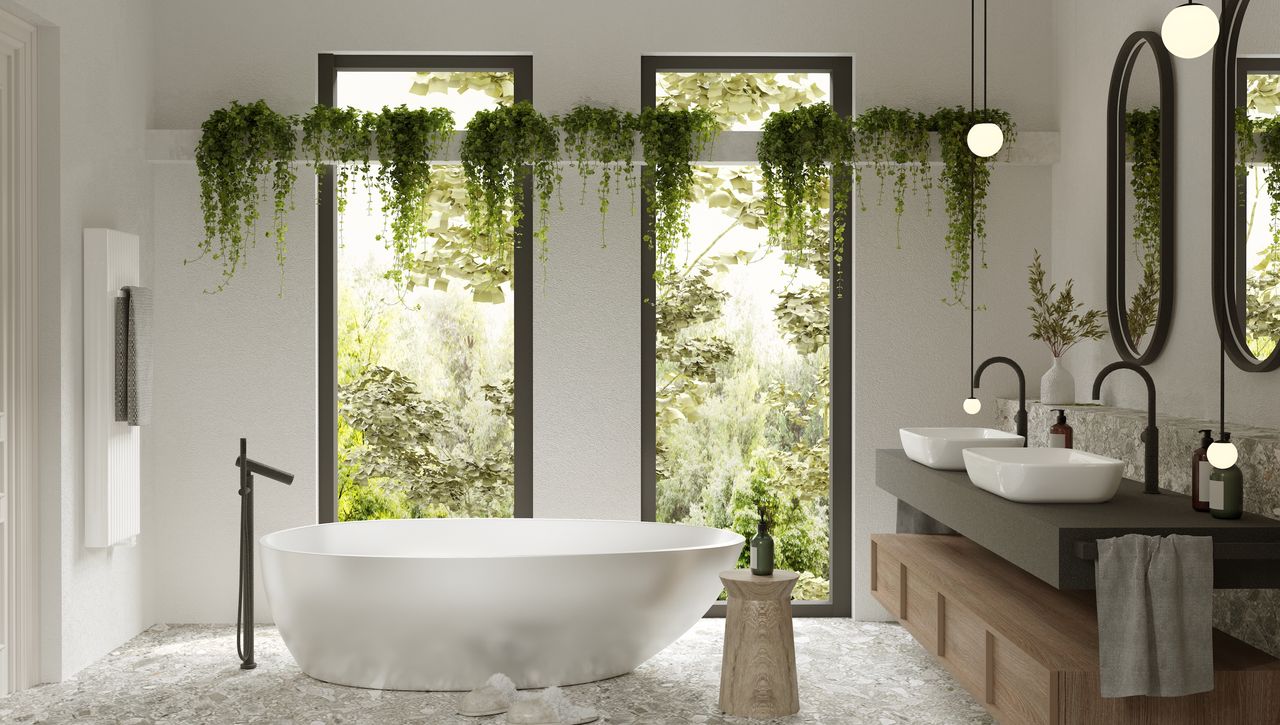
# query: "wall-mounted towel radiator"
{"type": "Point", "coordinates": [112, 461]}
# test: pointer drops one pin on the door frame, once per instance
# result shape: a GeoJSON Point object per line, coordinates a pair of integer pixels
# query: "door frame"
{"type": "Point", "coordinates": [19, 493]}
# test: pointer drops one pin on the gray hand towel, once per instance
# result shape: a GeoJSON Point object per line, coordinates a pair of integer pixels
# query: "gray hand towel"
{"type": "Point", "coordinates": [133, 356]}
{"type": "Point", "coordinates": [1155, 615]}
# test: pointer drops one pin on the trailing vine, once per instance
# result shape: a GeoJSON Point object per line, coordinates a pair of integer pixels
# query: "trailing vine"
{"type": "Point", "coordinates": [800, 153]}
{"type": "Point", "coordinates": [604, 137]}
{"type": "Point", "coordinates": [896, 142]}
{"type": "Point", "coordinates": [502, 148]}
{"type": "Point", "coordinates": [672, 140]}
{"type": "Point", "coordinates": [408, 139]}
{"type": "Point", "coordinates": [965, 178]}
{"type": "Point", "coordinates": [1142, 149]}
{"type": "Point", "coordinates": [238, 145]}
{"type": "Point", "coordinates": [342, 136]}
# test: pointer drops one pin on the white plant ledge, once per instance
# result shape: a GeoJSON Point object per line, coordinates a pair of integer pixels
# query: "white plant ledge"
{"type": "Point", "coordinates": [1033, 148]}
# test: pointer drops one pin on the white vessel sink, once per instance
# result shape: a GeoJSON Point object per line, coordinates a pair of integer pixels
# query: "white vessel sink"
{"type": "Point", "coordinates": [941, 447]}
{"type": "Point", "coordinates": [1044, 475]}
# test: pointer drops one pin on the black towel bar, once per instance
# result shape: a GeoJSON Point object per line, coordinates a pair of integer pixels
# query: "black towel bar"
{"type": "Point", "coordinates": [1233, 550]}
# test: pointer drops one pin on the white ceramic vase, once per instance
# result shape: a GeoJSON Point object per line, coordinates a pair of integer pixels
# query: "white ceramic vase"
{"type": "Point", "coordinates": [1058, 387]}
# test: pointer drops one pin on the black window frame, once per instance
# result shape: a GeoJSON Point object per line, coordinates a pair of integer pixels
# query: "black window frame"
{"type": "Point", "coordinates": [330, 64]}
{"type": "Point", "coordinates": [840, 69]}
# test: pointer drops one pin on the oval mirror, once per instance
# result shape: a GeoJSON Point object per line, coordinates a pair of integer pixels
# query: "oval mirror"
{"type": "Point", "coordinates": [1246, 185]}
{"type": "Point", "coordinates": [1140, 193]}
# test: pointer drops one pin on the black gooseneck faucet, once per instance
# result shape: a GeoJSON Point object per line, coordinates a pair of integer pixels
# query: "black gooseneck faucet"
{"type": "Point", "coordinates": [1151, 436]}
{"type": "Point", "coordinates": [244, 599]}
{"type": "Point", "coordinates": [1019, 420]}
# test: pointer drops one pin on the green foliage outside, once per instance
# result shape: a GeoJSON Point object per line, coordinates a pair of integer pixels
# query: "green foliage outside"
{"type": "Point", "coordinates": [743, 424]}
{"type": "Point", "coordinates": [425, 402]}
{"type": "Point", "coordinates": [425, 363]}
{"type": "Point", "coordinates": [1258, 132]}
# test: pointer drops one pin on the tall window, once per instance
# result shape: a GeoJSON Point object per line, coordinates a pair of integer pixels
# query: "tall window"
{"type": "Point", "coordinates": [748, 344]}
{"type": "Point", "coordinates": [1258, 223]}
{"type": "Point", "coordinates": [428, 374]}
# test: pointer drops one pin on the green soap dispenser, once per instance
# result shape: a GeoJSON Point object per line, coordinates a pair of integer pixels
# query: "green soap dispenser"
{"type": "Point", "coordinates": [762, 548]}
{"type": "Point", "coordinates": [1226, 490]}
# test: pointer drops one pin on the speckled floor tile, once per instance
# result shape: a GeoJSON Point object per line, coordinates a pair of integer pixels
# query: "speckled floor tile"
{"type": "Point", "coordinates": [850, 672]}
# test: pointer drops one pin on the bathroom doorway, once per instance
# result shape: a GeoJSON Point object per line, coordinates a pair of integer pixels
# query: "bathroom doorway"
{"type": "Point", "coordinates": [19, 590]}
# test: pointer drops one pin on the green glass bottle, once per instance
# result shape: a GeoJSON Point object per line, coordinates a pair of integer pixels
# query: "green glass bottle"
{"type": "Point", "coordinates": [762, 549]}
{"type": "Point", "coordinates": [1226, 493]}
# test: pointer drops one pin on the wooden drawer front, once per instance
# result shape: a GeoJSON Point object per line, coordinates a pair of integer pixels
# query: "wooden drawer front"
{"type": "Point", "coordinates": [921, 610]}
{"type": "Point", "coordinates": [887, 573]}
{"type": "Point", "coordinates": [964, 647]}
{"type": "Point", "coordinates": [1017, 686]}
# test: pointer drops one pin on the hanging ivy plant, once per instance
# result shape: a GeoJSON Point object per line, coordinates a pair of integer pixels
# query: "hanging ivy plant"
{"type": "Point", "coordinates": [800, 152]}
{"type": "Point", "coordinates": [604, 137]}
{"type": "Point", "coordinates": [965, 178]}
{"type": "Point", "coordinates": [672, 139]}
{"type": "Point", "coordinates": [408, 139]}
{"type": "Point", "coordinates": [238, 145]}
{"type": "Point", "coordinates": [895, 142]}
{"type": "Point", "coordinates": [502, 148]}
{"type": "Point", "coordinates": [343, 137]}
{"type": "Point", "coordinates": [1142, 149]}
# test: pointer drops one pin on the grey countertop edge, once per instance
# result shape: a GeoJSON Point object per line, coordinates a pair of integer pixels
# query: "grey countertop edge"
{"type": "Point", "coordinates": [1032, 540]}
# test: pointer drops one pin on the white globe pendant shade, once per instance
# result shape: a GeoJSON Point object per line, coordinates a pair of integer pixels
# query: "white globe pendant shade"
{"type": "Point", "coordinates": [985, 139]}
{"type": "Point", "coordinates": [1223, 455]}
{"type": "Point", "coordinates": [972, 406]}
{"type": "Point", "coordinates": [1189, 31]}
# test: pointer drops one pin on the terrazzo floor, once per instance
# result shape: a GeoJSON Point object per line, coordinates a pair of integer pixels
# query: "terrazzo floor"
{"type": "Point", "coordinates": [850, 672]}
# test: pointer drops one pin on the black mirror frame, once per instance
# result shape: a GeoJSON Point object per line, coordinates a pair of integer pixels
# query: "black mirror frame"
{"type": "Point", "coordinates": [1117, 226]}
{"type": "Point", "coordinates": [1228, 314]}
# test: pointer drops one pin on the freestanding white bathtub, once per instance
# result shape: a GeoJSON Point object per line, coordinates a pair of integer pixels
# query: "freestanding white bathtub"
{"type": "Point", "coordinates": [441, 604]}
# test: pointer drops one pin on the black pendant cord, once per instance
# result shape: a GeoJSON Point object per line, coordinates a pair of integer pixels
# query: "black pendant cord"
{"type": "Point", "coordinates": [1222, 390]}
{"type": "Point", "coordinates": [984, 55]}
{"type": "Point", "coordinates": [973, 55]}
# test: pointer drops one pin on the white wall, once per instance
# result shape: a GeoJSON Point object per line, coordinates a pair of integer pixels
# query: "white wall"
{"type": "Point", "coordinates": [243, 362]}
{"type": "Point", "coordinates": [96, 99]}
{"type": "Point", "coordinates": [1088, 34]}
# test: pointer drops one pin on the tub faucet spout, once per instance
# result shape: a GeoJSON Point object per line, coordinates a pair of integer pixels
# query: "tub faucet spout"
{"type": "Point", "coordinates": [1151, 436]}
{"type": "Point", "coordinates": [1020, 419]}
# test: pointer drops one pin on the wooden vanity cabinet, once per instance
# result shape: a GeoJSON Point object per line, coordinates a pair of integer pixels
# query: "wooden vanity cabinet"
{"type": "Point", "coordinates": [1029, 652]}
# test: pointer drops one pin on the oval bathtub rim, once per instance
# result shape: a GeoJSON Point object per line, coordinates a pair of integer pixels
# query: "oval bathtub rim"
{"type": "Point", "coordinates": [741, 541]}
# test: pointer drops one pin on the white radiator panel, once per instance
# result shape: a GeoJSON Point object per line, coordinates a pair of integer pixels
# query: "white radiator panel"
{"type": "Point", "coordinates": [112, 462]}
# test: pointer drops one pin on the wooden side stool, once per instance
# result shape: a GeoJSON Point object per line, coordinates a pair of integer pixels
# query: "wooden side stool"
{"type": "Point", "coordinates": [758, 673]}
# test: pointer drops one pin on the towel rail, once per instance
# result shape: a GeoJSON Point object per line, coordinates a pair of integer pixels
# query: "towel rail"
{"type": "Point", "coordinates": [1226, 550]}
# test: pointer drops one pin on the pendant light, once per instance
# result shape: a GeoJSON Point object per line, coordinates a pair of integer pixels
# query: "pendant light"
{"type": "Point", "coordinates": [972, 405]}
{"type": "Point", "coordinates": [1190, 31]}
{"type": "Point", "coordinates": [986, 138]}
{"type": "Point", "coordinates": [1222, 453]}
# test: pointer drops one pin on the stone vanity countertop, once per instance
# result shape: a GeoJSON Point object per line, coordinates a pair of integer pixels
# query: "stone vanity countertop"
{"type": "Point", "coordinates": [1041, 538]}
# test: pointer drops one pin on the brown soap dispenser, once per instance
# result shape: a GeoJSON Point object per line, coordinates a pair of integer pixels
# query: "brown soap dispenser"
{"type": "Point", "coordinates": [1200, 472]}
{"type": "Point", "coordinates": [1060, 434]}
